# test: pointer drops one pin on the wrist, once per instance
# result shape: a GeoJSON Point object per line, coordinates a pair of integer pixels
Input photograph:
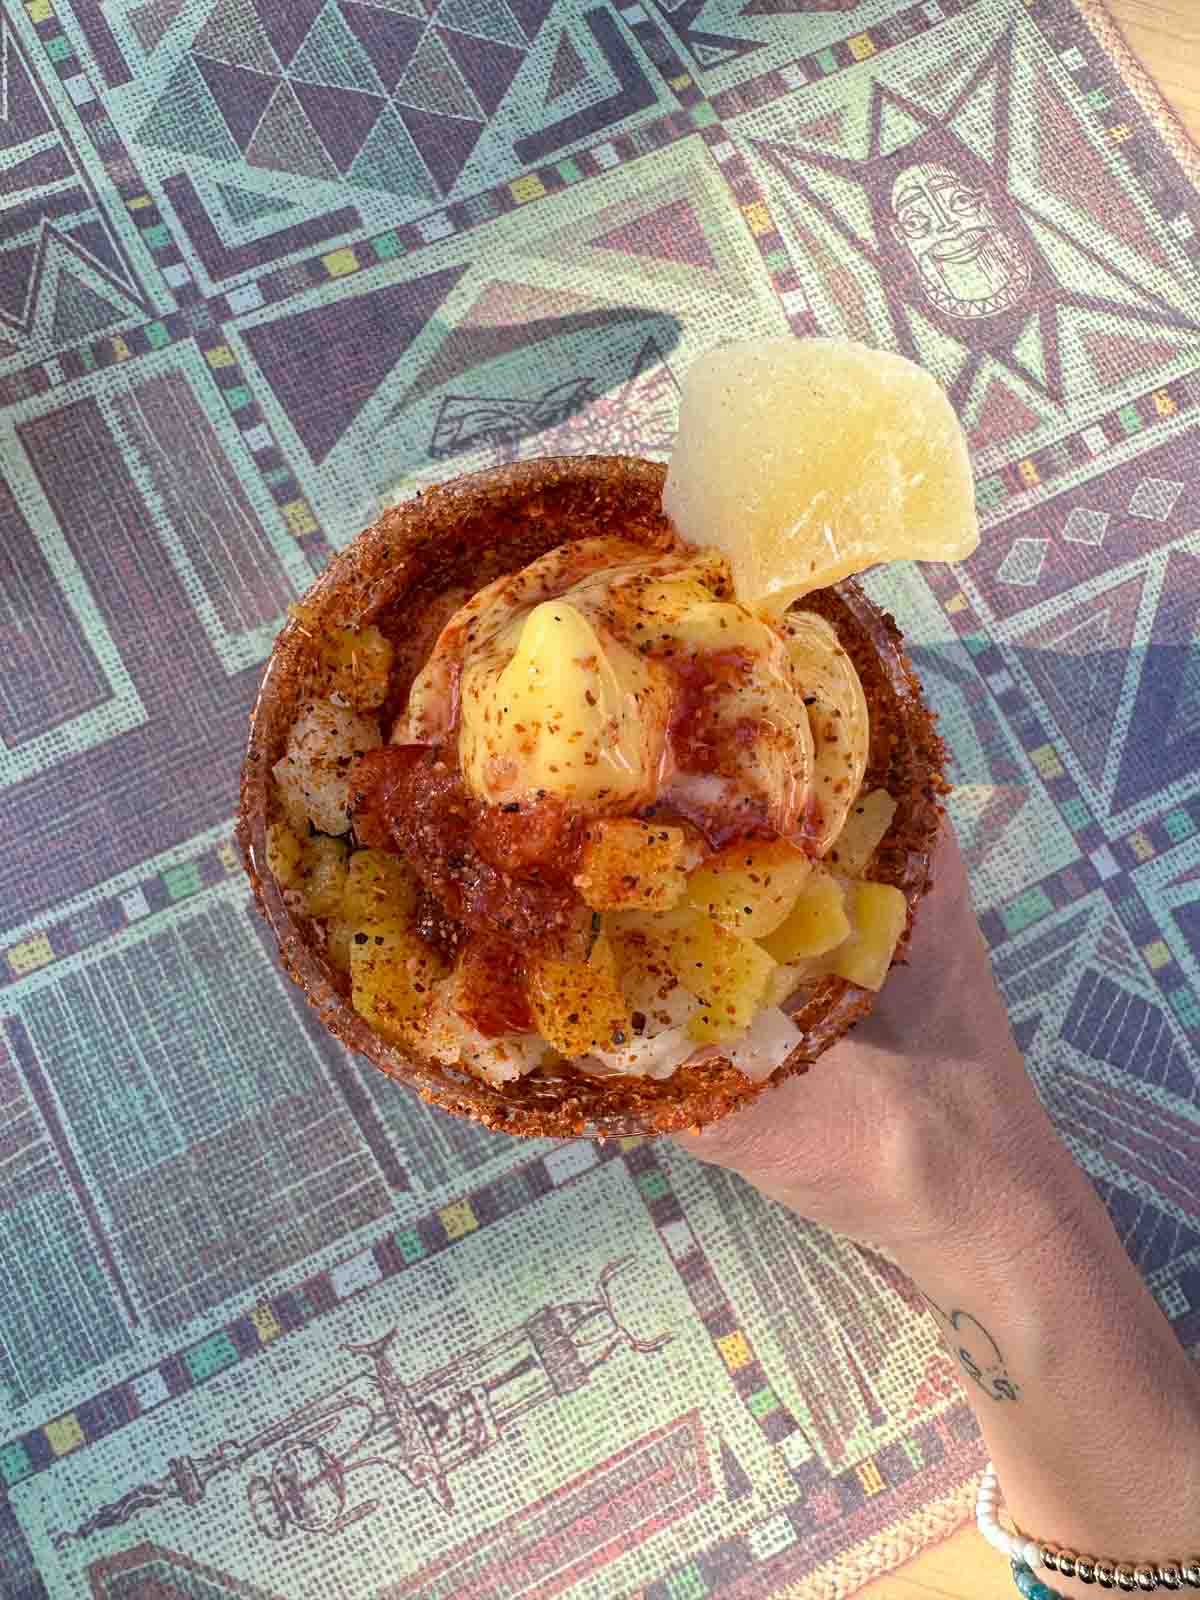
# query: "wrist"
{"type": "Point", "coordinates": [976, 1178]}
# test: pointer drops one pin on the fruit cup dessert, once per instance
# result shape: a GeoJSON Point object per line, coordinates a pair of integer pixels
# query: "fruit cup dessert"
{"type": "Point", "coordinates": [589, 798]}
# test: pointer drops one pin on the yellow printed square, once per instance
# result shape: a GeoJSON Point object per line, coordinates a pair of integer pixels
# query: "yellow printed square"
{"type": "Point", "coordinates": [139, 202]}
{"type": "Point", "coordinates": [220, 356]}
{"type": "Point", "coordinates": [759, 218]}
{"type": "Point", "coordinates": [870, 1476]}
{"type": "Point", "coordinates": [735, 1352]}
{"type": "Point", "coordinates": [631, 1141]}
{"type": "Point", "coordinates": [227, 855]}
{"type": "Point", "coordinates": [530, 187]}
{"type": "Point", "coordinates": [64, 1434]}
{"type": "Point", "coordinates": [1141, 846]}
{"type": "Point", "coordinates": [120, 349]}
{"type": "Point", "coordinates": [956, 602]}
{"type": "Point", "coordinates": [267, 1323]}
{"type": "Point", "coordinates": [1157, 955]}
{"type": "Point", "coordinates": [39, 10]}
{"type": "Point", "coordinates": [1120, 133]}
{"type": "Point", "coordinates": [862, 46]}
{"type": "Point", "coordinates": [298, 518]}
{"type": "Point", "coordinates": [1029, 473]}
{"type": "Point", "coordinates": [1045, 759]}
{"type": "Point", "coordinates": [1163, 404]}
{"type": "Point", "coordinates": [30, 954]}
{"type": "Point", "coordinates": [682, 82]}
{"type": "Point", "coordinates": [340, 263]}
{"type": "Point", "coordinates": [458, 1219]}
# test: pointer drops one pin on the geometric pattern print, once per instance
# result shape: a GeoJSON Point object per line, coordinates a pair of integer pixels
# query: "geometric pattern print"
{"type": "Point", "coordinates": [265, 265]}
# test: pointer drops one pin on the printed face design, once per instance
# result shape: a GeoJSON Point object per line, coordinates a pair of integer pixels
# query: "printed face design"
{"type": "Point", "coordinates": [968, 265]}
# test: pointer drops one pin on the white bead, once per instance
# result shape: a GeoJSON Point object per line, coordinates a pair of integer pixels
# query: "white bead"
{"type": "Point", "coordinates": [995, 1535]}
{"type": "Point", "coordinates": [1032, 1554]}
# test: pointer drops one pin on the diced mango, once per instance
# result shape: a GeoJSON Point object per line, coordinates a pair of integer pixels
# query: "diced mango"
{"type": "Point", "coordinates": [727, 974]}
{"type": "Point", "coordinates": [750, 888]}
{"type": "Point", "coordinates": [878, 913]}
{"type": "Point", "coordinates": [628, 864]}
{"type": "Point", "coordinates": [783, 983]}
{"type": "Point", "coordinates": [392, 973]}
{"type": "Point", "coordinates": [285, 855]}
{"type": "Point", "coordinates": [392, 969]}
{"type": "Point", "coordinates": [868, 820]}
{"type": "Point", "coordinates": [816, 923]}
{"type": "Point", "coordinates": [380, 891]}
{"type": "Point", "coordinates": [323, 875]}
{"type": "Point", "coordinates": [578, 1005]}
{"type": "Point", "coordinates": [359, 662]}
{"type": "Point", "coordinates": [337, 944]}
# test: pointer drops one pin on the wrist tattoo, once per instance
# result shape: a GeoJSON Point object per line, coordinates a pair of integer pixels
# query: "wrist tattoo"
{"type": "Point", "coordinates": [976, 1352]}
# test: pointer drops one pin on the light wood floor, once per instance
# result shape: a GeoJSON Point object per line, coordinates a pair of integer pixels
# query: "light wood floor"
{"type": "Point", "coordinates": [1166, 35]}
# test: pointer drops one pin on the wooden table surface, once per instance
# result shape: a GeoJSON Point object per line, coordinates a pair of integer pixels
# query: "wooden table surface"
{"type": "Point", "coordinates": [1165, 35]}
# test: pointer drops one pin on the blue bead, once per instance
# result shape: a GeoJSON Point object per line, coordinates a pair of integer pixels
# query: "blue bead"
{"type": "Point", "coordinates": [1022, 1577]}
{"type": "Point", "coordinates": [1039, 1591]}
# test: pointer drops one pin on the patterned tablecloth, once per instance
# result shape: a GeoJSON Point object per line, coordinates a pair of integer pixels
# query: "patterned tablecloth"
{"type": "Point", "coordinates": [268, 1326]}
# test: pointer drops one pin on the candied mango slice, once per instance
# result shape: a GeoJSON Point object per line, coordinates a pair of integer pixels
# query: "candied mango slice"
{"type": "Point", "coordinates": [878, 914]}
{"type": "Point", "coordinates": [750, 888]}
{"type": "Point", "coordinates": [629, 864]}
{"type": "Point", "coordinates": [817, 922]}
{"type": "Point", "coordinates": [804, 460]}
{"type": "Point", "coordinates": [285, 855]}
{"type": "Point", "coordinates": [578, 1005]}
{"type": "Point", "coordinates": [868, 820]}
{"type": "Point", "coordinates": [837, 716]}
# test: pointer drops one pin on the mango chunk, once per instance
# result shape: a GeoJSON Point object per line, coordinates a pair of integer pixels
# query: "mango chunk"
{"type": "Point", "coordinates": [817, 922]}
{"type": "Point", "coordinates": [323, 875]}
{"type": "Point", "coordinates": [878, 914]}
{"type": "Point", "coordinates": [578, 1005]}
{"type": "Point", "coordinates": [750, 888]}
{"type": "Point", "coordinates": [392, 973]}
{"type": "Point", "coordinates": [380, 892]}
{"type": "Point", "coordinates": [285, 854]}
{"type": "Point", "coordinates": [866, 823]}
{"type": "Point", "coordinates": [629, 864]}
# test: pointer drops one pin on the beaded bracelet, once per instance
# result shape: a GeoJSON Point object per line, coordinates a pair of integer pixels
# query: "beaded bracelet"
{"type": "Point", "coordinates": [1028, 1554]}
